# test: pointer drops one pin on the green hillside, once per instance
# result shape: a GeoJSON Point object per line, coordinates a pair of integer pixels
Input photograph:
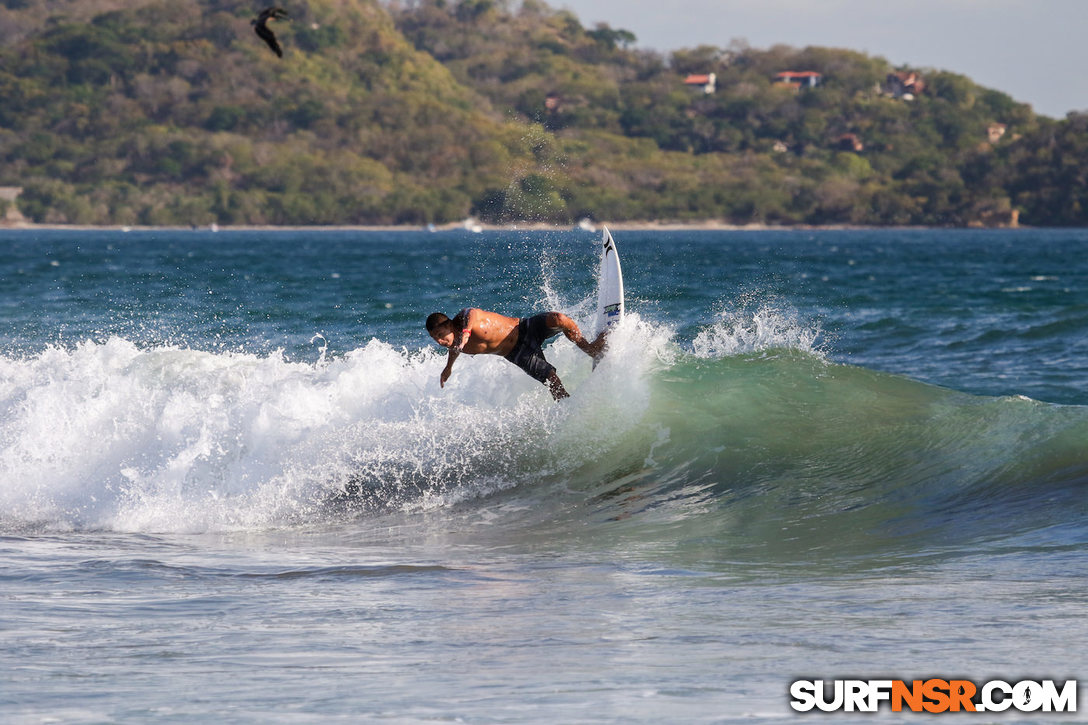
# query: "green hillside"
{"type": "Point", "coordinates": [175, 112]}
{"type": "Point", "coordinates": [131, 112]}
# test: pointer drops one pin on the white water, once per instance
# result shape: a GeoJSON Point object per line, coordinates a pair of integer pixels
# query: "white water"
{"type": "Point", "coordinates": [114, 437]}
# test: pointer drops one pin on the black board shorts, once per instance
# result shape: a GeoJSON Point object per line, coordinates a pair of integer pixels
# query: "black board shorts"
{"type": "Point", "coordinates": [527, 354]}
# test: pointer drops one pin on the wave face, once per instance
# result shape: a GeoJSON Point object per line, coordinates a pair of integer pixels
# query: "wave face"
{"type": "Point", "coordinates": [748, 440]}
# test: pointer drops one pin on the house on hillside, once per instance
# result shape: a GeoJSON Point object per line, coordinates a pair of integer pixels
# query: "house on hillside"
{"type": "Point", "coordinates": [707, 82]}
{"type": "Point", "coordinates": [798, 79]}
{"type": "Point", "coordinates": [904, 84]}
{"type": "Point", "coordinates": [995, 131]}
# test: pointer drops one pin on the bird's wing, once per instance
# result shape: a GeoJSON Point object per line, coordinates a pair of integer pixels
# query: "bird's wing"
{"type": "Point", "coordinates": [269, 37]}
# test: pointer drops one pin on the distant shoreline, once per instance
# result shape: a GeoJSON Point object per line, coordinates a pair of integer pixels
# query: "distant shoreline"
{"type": "Point", "coordinates": [623, 226]}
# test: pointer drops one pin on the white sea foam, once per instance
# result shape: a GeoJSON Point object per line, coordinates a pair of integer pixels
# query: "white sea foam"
{"type": "Point", "coordinates": [114, 436]}
{"type": "Point", "coordinates": [742, 331]}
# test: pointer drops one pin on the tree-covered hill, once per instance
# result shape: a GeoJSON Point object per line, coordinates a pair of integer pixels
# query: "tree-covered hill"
{"type": "Point", "coordinates": [174, 112]}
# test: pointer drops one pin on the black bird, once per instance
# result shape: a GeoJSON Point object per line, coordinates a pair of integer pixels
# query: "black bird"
{"type": "Point", "coordinates": [260, 27]}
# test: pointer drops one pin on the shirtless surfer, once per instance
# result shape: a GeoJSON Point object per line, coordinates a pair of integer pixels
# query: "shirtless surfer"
{"type": "Point", "coordinates": [479, 332]}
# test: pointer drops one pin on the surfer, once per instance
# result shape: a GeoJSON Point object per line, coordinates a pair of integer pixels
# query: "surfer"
{"type": "Point", "coordinates": [479, 332]}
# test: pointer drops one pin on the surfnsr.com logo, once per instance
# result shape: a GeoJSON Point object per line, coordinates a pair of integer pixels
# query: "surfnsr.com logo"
{"type": "Point", "coordinates": [933, 695]}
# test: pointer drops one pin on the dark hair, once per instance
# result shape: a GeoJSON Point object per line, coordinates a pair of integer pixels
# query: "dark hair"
{"type": "Point", "coordinates": [436, 320]}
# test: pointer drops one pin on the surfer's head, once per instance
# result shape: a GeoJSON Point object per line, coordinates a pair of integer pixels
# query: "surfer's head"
{"type": "Point", "coordinates": [440, 328]}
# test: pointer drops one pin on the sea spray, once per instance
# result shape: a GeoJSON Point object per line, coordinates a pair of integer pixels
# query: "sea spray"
{"type": "Point", "coordinates": [743, 330]}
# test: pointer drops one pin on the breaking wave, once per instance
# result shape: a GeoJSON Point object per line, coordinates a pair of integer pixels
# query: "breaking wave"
{"type": "Point", "coordinates": [749, 438]}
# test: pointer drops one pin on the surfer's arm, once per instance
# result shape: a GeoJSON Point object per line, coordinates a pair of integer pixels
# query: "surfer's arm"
{"type": "Point", "coordinates": [559, 321]}
{"type": "Point", "coordinates": [462, 330]}
{"type": "Point", "coordinates": [446, 371]}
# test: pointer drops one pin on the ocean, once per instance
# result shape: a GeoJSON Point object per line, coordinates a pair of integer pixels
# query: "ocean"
{"type": "Point", "coordinates": [232, 490]}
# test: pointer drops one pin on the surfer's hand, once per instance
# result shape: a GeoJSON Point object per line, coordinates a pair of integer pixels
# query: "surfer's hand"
{"type": "Point", "coordinates": [443, 378]}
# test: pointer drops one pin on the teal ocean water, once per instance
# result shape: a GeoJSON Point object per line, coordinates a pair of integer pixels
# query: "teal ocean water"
{"type": "Point", "coordinates": [232, 490]}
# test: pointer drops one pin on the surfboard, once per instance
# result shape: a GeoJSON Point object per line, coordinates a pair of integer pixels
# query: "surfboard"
{"type": "Point", "coordinates": [609, 286]}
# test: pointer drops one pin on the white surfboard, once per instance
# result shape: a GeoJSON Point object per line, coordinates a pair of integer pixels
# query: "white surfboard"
{"type": "Point", "coordinates": [609, 285]}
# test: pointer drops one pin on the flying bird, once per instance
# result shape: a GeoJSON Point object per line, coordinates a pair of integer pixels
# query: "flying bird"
{"type": "Point", "coordinates": [260, 27]}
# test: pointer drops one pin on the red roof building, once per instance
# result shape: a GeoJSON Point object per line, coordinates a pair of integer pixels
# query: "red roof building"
{"type": "Point", "coordinates": [708, 82]}
{"type": "Point", "coordinates": [799, 79]}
